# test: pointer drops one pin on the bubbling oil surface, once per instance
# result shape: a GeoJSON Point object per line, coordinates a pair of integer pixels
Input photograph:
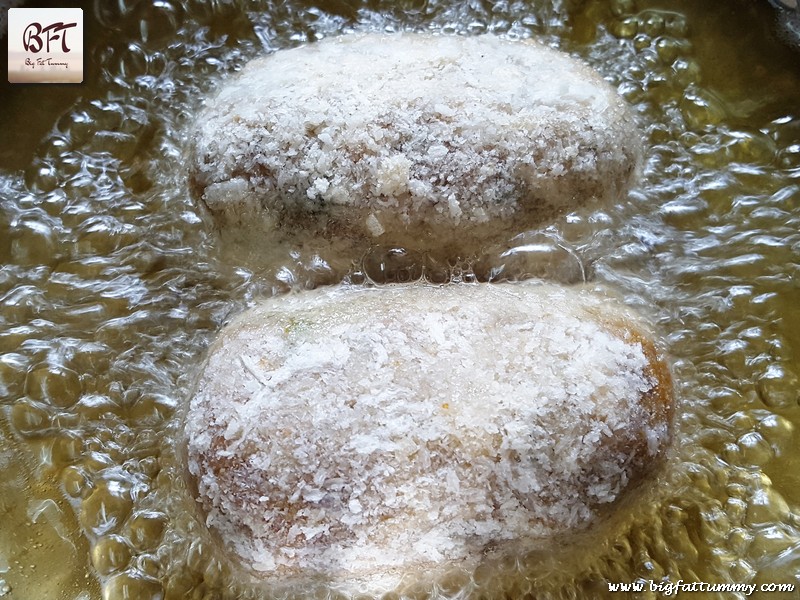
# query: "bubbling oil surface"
{"type": "Point", "coordinates": [113, 285]}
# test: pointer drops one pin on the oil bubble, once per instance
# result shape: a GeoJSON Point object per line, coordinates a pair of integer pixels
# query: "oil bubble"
{"type": "Point", "coordinates": [29, 418]}
{"type": "Point", "coordinates": [536, 256]}
{"type": "Point", "coordinates": [33, 242]}
{"type": "Point", "coordinates": [686, 71]}
{"type": "Point", "coordinates": [145, 529]}
{"type": "Point", "coordinates": [148, 565]}
{"type": "Point", "coordinates": [103, 234]}
{"type": "Point", "coordinates": [770, 542]}
{"type": "Point", "coordinates": [106, 508]}
{"type": "Point", "coordinates": [739, 540]}
{"type": "Point", "coordinates": [668, 49]}
{"type": "Point", "coordinates": [749, 147]}
{"type": "Point", "coordinates": [41, 177]}
{"type": "Point", "coordinates": [683, 212]}
{"type": "Point", "coordinates": [625, 28]}
{"type": "Point", "coordinates": [755, 450]}
{"type": "Point", "coordinates": [54, 384]}
{"type": "Point", "coordinates": [96, 406]}
{"type": "Point", "coordinates": [132, 585]}
{"type": "Point", "coordinates": [675, 24]}
{"type": "Point", "coordinates": [65, 449]}
{"type": "Point", "coordinates": [198, 556]}
{"type": "Point", "coordinates": [13, 367]}
{"type": "Point", "coordinates": [109, 554]}
{"type": "Point", "coordinates": [622, 7]}
{"type": "Point", "coordinates": [24, 303]}
{"type": "Point", "coordinates": [632, 91]}
{"type": "Point", "coordinates": [214, 573]}
{"type": "Point", "coordinates": [777, 430]}
{"type": "Point", "coordinates": [392, 265]}
{"type": "Point", "coordinates": [151, 409]}
{"type": "Point", "coordinates": [158, 21]}
{"type": "Point", "coordinates": [95, 462]}
{"type": "Point", "coordinates": [778, 387]}
{"type": "Point", "coordinates": [652, 23]}
{"type": "Point", "coordinates": [435, 270]}
{"type": "Point", "coordinates": [701, 108]}
{"type": "Point", "coordinates": [180, 585]}
{"type": "Point", "coordinates": [642, 41]}
{"type": "Point", "coordinates": [75, 482]}
{"type": "Point", "coordinates": [766, 506]}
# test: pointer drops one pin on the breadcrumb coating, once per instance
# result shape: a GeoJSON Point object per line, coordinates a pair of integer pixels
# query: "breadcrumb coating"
{"type": "Point", "coordinates": [433, 137]}
{"type": "Point", "coordinates": [357, 434]}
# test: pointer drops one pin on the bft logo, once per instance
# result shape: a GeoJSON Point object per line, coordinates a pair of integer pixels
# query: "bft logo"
{"type": "Point", "coordinates": [45, 45]}
{"type": "Point", "coordinates": [32, 37]}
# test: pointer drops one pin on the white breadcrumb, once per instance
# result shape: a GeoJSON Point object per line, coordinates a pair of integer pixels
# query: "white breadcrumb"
{"type": "Point", "coordinates": [417, 133]}
{"type": "Point", "coordinates": [358, 434]}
